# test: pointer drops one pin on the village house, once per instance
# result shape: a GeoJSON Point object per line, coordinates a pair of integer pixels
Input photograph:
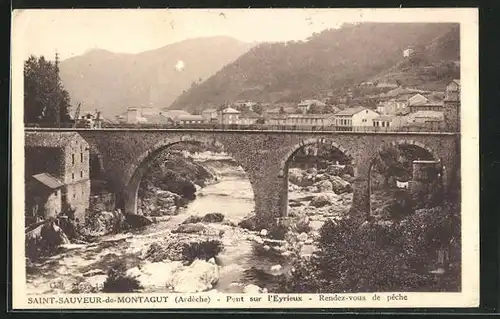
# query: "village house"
{"type": "Point", "coordinates": [43, 197]}
{"type": "Point", "coordinates": [210, 115]}
{"type": "Point", "coordinates": [408, 52]}
{"type": "Point", "coordinates": [427, 106]}
{"type": "Point", "coordinates": [229, 116]}
{"type": "Point", "coordinates": [249, 117]}
{"type": "Point", "coordinates": [351, 118]}
{"type": "Point", "coordinates": [388, 121]}
{"type": "Point", "coordinates": [60, 161]}
{"type": "Point", "coordinates": [189, 119]}
{"type": "Point", "coordinates": [452, 91]}
{"type": "Point", "coordinates": [310, 119]}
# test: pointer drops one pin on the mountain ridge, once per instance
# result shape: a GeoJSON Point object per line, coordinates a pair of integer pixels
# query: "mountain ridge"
{"type": "Point", "coordinates": [111, 82]}
{"type": "Point", "coordinates": [326, 62]}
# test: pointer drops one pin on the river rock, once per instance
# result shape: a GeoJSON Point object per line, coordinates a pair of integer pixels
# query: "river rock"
{"type": "Point", "coordinates": [190, 228]}
{"type": "Point", "coordinates": [264, 232]}
{"type": "Point", "coordinates": [339, 185]}
{"type": "Point", "coordinates": [213, 218]}
{"type": "Point", "coordinates": [276, 268]}
{"type": "Point", "coordinates": [302, 237]}
{"type": "Point", "coordinates": [253, 289]}
{"type": "Point", "coordinates": [197, 277]}
{"type": "Point", "coordinates": [286, 253]}
{"type": "Point", "coordinates": [249, 222]}
{"type": "Point", "coordinates": [266, 247]}
{"type": "Point", "coordinates": [137, 221]}
{"type": "Point", "coordinates": [321, 200]}
{"type": "Point", "coordinates": [94, 272]}
{"type": "Point", "coordinates": [157, 274]}
{"type": "Point", "coordinates": [324, 186]}
{"type": "Point", "coordinates": [334, 170]}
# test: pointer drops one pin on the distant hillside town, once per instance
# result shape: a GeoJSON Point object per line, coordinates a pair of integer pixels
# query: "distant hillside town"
{"type": "Point", "coordinates": [400, 107]}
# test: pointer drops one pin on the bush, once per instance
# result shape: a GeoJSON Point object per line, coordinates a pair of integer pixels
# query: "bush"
{"type": "Point", "coordinates": [355, 257]}
{"type": "Point", "coordinates": [118, 281]}
{"type": "Point", "coordinates": [203, 250]}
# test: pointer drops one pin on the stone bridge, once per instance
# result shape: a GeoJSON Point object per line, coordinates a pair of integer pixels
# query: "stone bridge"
{"type": "Point", "coordinates": [264, 155]}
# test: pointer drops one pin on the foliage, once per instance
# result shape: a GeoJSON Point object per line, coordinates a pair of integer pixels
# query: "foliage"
{"type": "Point", "coordinates": [45, 99]}
{"type": "Point", "coordinates": [118, 281]}
{"type": "Point", "coordinates": [203, 250]}
{"type": "Point", "coordinates": [369, 257]}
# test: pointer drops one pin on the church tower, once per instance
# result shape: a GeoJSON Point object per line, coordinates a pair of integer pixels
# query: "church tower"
{"type": "Point", "coordinates": [451, 106]}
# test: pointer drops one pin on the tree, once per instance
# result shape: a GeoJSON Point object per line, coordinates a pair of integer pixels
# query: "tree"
{"type": "Point", "coordinates": [257, 108]}
{"type": "Point", "coordinates": [282, 110]}
{"type": "Point", "coordinates": [45, 99]}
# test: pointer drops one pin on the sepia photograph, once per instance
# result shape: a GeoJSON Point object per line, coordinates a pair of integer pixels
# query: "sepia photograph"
{"type": "Point", "coordinates": [245, 158]}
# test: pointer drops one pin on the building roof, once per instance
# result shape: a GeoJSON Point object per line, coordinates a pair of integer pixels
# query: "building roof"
{"type": "Point", "coordinates": [351, 111]}
{"type": "Point", "coordinates": [174, 113]}
{"type": "Point", "coordinates": [250, 115]}
{"type": "Point", "coordinates": [48, 180]}
{"type": "Point", "coordinates": [50, 139]}
{"type": "Point", "coordinates": [230, 110]}
{"type": "Point", "coordinates": [426, 114]}
{"type": "Point", "coordinates": [310, 116]}
{"type": "Point", "coordinates": [209, 111]}
{"type": "Point", "coordinates": [189, 117]}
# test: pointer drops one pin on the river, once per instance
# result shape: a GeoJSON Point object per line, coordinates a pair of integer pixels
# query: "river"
{"type": "Point", "coordinates": [239, 265]}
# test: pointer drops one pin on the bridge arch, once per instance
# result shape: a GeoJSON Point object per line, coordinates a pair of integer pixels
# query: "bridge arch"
{"type": "Point", "coordinates": [137, 170]}
{"type": "Point", "coordinates": [311, 141]}
{"type": "Point", "coordinates": [288, 156]}
{"type": "Point", "coordinates": [366, 197]}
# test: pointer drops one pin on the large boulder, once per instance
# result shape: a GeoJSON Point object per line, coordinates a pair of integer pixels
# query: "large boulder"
{"type": "Point", "coordinates": [339, 185]}
{"type": "Point", "coordinates": [321, 200]}
{"type": "Point", "coordinates": [197, 277]}
{"type": "Point", "coordinates": [44, 239]}
{"type": "Point", "coordinates": [334, 170]}
{"type": "Point", "coordinates": [158, 274]}
{"type": "Point", "coordinates": [249, 222]}
{"type": "Point", "coordinates": [103, 223]}
{"type": "Point", "coordinates": [295, 176]}
{"type": "Point", "coordinates": [324, 186]}
{"type": "Point", "coordinates": [137, 221]}
{"type": "Point", "coordinates": [190, 228]}
{"type": "Point", "coordinates": [254, 289]}
{"type": "Point", "coordinates": [213, 218]}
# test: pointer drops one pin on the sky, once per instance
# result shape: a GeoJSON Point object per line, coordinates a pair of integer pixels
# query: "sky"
{"type": "Point", "coordinates": [76, 31]}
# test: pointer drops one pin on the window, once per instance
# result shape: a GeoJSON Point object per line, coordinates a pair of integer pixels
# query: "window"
{"type": "Point", "coordinates": [81, 157]}
{"type": "Point", "coordinates": [73, 176]}
{"type": "Point", "coordinates": [72, 159]}
{"type": "Point", "coordinates": [81, 174]}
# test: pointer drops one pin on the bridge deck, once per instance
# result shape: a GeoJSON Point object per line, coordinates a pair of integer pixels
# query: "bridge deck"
{"type": "Point", "coordinates": [232, 130]}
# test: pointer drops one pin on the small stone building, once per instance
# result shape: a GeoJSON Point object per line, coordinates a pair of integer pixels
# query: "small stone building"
{"type": "Point", "coordinates": [65, 157]}
{"type": "Point", "coordinates": [43, 197]}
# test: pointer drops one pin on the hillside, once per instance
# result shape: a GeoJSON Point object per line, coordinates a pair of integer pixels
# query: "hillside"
{"type": "Point", "coordinates": [326, 62]}
{"type": "Point", "coordinates": [432, 69]}
{"type": "Point", "coordinates": [111, 82]}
